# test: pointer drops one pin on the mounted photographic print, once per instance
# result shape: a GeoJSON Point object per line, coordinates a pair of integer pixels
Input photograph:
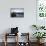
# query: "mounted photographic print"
{"type": "Point", "coordinates": [41, 12]}
{"type": "Point", "coordinates": [41, 8]}
{"type": "Point", "coordinates": [17, 12]}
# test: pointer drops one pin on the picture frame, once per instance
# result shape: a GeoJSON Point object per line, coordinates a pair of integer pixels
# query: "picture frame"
{"type": "Point", "coordinates": [17, 12]}
{"type": "Point", "coordinates": [40, 12]}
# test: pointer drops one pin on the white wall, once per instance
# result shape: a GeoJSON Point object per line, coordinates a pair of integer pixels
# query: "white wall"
{"type": "Point", "coordinates": [24, 24]}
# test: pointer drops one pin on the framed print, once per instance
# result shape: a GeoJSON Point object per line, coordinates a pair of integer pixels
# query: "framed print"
{"type": "Point", "coordinates": [41, 8]}
{"type": "Point", "coordinates": [17, 12]}
{"type": "Point", "coordinates": [41, 12]}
